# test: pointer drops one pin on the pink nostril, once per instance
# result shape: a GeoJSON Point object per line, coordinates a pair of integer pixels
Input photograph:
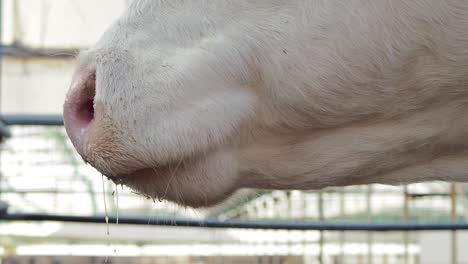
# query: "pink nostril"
{"type": "Point", "coordinates": [78, 111]}
{"type": "Point", "coordinates": [87, 111]}
{"type": "Point", "coordinates": [84, 99]}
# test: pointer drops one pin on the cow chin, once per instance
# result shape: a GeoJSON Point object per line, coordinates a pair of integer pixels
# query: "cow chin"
{"type": "Point", "coordinates": [197, 182]}
{"type": "Point", "coordinates": [199, 179]}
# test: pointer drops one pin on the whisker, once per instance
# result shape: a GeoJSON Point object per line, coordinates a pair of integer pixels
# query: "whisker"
{"type": "Point", "coordinates": [172, 176]}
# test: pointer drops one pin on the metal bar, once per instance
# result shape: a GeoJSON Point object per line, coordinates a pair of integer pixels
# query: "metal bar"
{"type": "Point", "coordinates": [33, 120]}
{"type": "Point", "coordinates": [405, 220]}
{"type": "Point", "coordinates": [4, 131]}
{"type": "Point", "coordinates": [17, 25]}
{"type": "Point", "coordinates": [342, 233]}
{"type": "Point", "coordinates": [321, 218]}
{"type": "Point", "coordinates": [378, 227]}
{"type": "Point", "coordinates": [19, 51]}
{"type": "Point", "coordinates": [369, 219]}
{"type": "Point", "coordinates": [1, 52]}
{"type": "Point", "coordinates": [453, 217]}
{"type": "Point", "coordinates": [56, 191]}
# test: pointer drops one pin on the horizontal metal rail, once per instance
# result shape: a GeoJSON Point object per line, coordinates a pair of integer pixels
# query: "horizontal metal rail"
{"type": "Point", "coordinates": [378, 227]}
{"type": "Point", "coordinates": [32, 120]}
{"type": "Point", "coordinates": [20, 51]}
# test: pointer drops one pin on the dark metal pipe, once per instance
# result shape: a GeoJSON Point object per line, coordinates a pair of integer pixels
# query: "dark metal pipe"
{"type": "Point", "coordinates": [388, 227]}
{"type": "Point", "coordinates": [32, 120]}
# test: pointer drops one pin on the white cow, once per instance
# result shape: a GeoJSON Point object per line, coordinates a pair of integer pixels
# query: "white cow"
{"type": "Point", "coordinates": [191, 100]}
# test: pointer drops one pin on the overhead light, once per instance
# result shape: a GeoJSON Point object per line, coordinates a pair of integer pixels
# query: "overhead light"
{"type": "Point", "coordinates": [246, 249]}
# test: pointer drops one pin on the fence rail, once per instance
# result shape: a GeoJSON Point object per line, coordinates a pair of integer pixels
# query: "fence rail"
{"type": "Point", "coordinates": [378, 227]}
{"type": "Point", "coordinates": [32, 120]}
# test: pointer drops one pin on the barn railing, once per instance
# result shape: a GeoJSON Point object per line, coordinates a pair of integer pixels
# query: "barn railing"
{"type": "Point", "coordinates": [265, 225]}
{"type": "Point", "coordinates": [32, 120]}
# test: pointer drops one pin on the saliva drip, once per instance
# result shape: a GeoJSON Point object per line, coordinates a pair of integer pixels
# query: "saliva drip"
{"type": "Point", "coordinates": [117, 207]}
{"type": "Point", "coordinates": [105, 205]}
{"type": "Point", "coordinates": [117, 203]}
{"type": "Point", "coordinates": [107, 216]}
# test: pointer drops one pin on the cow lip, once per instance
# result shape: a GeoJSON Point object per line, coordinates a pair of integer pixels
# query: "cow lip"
{"type": "Point", "coordinates": [136, 175]}
{"type": "Point", "coordinates": [133, 175]}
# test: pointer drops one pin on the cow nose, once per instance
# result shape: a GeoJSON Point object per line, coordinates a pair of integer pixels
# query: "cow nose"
{"type": "Point", "coordinates": [78, 109]}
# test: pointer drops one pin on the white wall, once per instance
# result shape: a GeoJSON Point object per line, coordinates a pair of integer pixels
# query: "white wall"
{"type": "Point", "coordinates": [60, 23]}
{"type": "Point", "coordinates": [34, 86]}
{"type": "Point", "coordinates": [38, 86]}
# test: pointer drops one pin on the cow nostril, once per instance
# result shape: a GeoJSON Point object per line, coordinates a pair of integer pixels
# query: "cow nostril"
{"type": "Point", "coordinates": [85, 102]}
{"type": "Point", "coordinates": [78, 111]}
{"type": "Point", "coordinates": [87, 111]}
{"type": "Point", "coordinates": [79, 106]}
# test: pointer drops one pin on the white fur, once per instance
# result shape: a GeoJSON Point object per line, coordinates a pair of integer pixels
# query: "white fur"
{"type": "Point", "coordinates": [208, 96]}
